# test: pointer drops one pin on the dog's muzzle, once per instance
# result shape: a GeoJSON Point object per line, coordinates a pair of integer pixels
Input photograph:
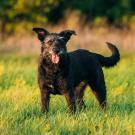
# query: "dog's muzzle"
{"type": "Point", "coordinates": [56, 50]}
{"type": "Point", "coordinates": [56, 53]}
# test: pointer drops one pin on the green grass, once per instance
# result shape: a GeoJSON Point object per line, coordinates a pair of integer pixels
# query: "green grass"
{"type": "Point", "coordinates": [20, 102]}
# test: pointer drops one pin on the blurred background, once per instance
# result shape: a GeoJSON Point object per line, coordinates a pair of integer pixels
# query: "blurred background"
{"type": "Point", "coordinates": [95, 22]}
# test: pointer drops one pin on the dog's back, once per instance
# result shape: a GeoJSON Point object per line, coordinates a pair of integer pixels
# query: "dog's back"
{"type": "Point", "coordinates": [84, 63]}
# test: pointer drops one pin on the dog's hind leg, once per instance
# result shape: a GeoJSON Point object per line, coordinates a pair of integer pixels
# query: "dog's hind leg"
{"type": "Point", "coordinates": [70, 98]}
{"type": "Point", "coordinates": [79, 91]}
{"type": "Point", "coordinates": [98, 87]}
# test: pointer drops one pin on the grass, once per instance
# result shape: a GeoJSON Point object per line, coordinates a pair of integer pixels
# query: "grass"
{"type": "Point", "coordinates": [20, 102]}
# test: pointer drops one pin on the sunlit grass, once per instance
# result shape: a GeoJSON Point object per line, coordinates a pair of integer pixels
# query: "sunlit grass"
{"type": "Point", "coordinates": [20, 103]}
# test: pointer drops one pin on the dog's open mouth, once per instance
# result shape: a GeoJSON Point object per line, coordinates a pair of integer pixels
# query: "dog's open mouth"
{"type": "Point", "coordinates": [55, 58]}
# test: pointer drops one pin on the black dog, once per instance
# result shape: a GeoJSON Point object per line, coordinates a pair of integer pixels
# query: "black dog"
{"type": "Point", "coordinates": [60, 72]}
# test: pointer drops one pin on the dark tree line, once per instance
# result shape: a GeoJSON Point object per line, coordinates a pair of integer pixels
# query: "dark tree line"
{"type": "Point", "coordinates": [13, 12]}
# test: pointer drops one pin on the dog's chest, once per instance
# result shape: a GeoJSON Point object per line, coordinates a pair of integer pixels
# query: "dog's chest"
{"type": "Point", "coordinates": [56, 82]}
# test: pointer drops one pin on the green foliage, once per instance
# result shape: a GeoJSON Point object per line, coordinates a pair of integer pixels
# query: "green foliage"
{"type": "Point", "coordinates": [111, 9]}
{"type": "Point", "coordinates": [14, 12]}
{"type": "Point", "coordinates": [20, 102]}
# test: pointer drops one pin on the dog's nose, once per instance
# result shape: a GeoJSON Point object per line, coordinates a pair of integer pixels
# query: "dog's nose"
{"type": "Point", "coordinates": [56, 50]}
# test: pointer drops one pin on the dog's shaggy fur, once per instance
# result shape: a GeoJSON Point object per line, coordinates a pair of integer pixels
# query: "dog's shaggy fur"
{"type": "Point", "coordinates": [68, 74]}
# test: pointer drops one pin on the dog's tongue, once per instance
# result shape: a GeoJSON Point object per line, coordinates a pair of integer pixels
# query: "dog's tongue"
{"type": "Point", "coordinates": [55, 58]}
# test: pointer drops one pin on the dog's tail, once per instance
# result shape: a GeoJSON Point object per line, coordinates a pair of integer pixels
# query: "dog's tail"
{"type": "Point", "coordinates": [112, 60]}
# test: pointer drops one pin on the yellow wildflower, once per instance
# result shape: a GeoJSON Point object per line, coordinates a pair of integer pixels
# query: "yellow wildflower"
{"type": "Point", "coordinates": [46, 128]}
{"type": "Point", "coordinates": [1, 69]}
{"type": "Point", "coordinates": [19, 82]}
{"type": "Point", "coordinates": [130, 129]}
{"type": "Point", "coordinates": [117, 91]}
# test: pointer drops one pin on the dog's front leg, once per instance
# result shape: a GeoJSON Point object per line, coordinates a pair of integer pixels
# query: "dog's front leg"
{"type": "Point", "coordinates": [45, 95]}
{"type": "Point", "coordinates": [70, 98]}
{"type": "Point", "coordinates": [45, 98]}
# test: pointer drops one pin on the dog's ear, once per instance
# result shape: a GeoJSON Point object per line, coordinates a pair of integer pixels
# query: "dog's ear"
{"type": "Point", "coordinates": [42, 33]}
{"type": "Point", "coordinates": [67, 34]}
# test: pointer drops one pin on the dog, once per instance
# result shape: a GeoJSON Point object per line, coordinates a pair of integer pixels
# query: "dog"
{"type": "Point", "coordinates": [68, 73]}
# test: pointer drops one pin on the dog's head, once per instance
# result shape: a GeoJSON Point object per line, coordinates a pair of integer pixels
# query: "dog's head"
{"type": "Point", "coordinates": [53, 44]}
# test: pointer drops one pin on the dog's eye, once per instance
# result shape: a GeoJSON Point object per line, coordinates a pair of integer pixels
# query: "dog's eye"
{"type": "Point", "coordinates": [61, 37]}
{"type": "Point", "coordinates": [48, 41]}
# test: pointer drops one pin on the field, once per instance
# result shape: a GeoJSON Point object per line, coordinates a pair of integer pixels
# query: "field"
{"type": "Point", "coordinates": [20, 102]}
